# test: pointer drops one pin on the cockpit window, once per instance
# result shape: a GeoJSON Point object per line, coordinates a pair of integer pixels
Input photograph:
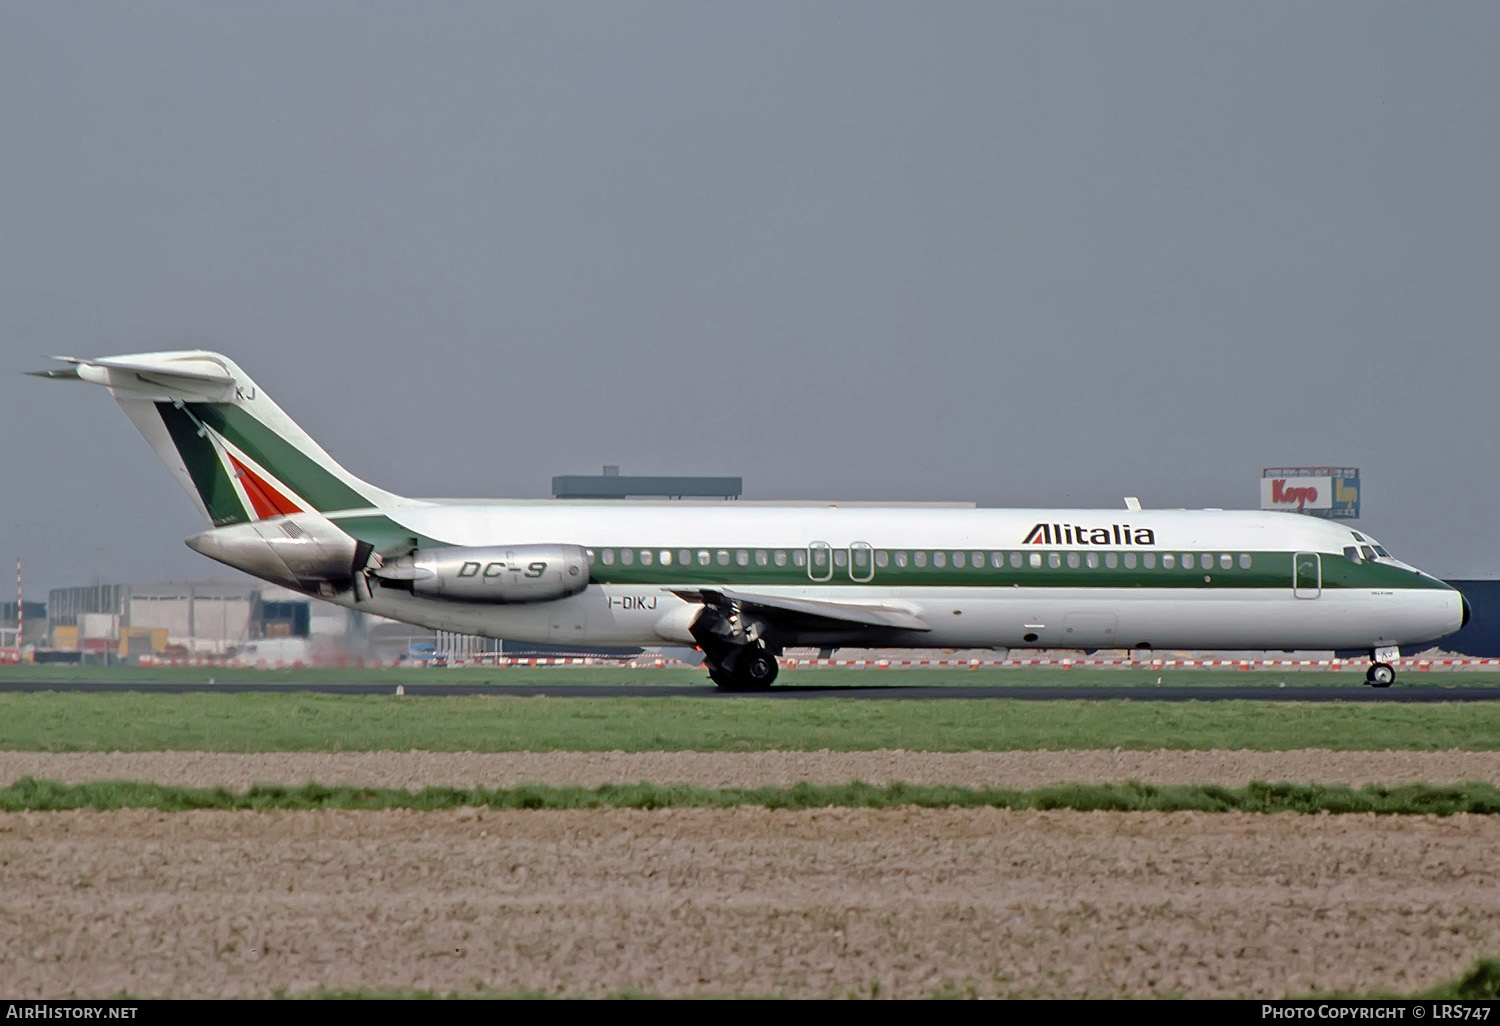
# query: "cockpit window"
{"type": "Point", "coordinates": [1381, 550]}
{"type": "Point", "coordinates": [1351, 553]}
{"type": "Point", "coordinates": [1367, 552]}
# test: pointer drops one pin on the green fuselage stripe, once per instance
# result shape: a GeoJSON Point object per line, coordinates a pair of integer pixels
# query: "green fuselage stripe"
{"type": "Point", "coordinates": [388, 537]}
{"type": "Point", "coordinates": [1266, 570]}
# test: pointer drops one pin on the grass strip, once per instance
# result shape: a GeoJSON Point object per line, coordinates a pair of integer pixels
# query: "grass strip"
{"type": "Point", "coordinates": [31, 795]}
{"type": "Point", "coordinates": [301, 722]}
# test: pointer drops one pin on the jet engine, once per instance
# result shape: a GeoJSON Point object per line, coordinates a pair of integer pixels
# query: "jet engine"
{"type": "Point", "coordinates": [503, 574]}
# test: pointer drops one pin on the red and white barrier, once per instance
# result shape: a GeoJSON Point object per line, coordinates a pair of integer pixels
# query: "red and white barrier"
{"type": "Point", "coordinates": [662, 662]}
{"type": "Point", "coordinates": [1157, 664]}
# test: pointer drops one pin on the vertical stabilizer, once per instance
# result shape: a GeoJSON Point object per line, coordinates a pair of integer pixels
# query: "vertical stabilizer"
{"type": "Point", "coordinates": [227, 443]}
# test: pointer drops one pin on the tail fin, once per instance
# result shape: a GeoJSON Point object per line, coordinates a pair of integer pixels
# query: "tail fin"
{"type": "Point", "coordinates": [234, 450]}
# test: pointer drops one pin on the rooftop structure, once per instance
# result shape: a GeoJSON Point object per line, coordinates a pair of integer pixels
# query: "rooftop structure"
{"type": "Point", "coordinates": [611, 485]}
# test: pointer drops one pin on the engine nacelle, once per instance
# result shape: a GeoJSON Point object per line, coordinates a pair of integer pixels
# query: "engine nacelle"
{"type": "Point", "coordinates": [500, 573]}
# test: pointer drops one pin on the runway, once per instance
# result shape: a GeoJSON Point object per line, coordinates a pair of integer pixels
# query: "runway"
{"type": "Point", "coordinates": [1352, 692]}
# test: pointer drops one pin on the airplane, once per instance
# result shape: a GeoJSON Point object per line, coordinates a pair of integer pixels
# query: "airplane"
{"type": "Point", "coordinates": [742, 582]}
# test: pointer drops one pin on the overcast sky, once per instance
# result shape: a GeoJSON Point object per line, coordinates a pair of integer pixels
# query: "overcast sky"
{"type": "Point", "coordinates": [1025, 254]}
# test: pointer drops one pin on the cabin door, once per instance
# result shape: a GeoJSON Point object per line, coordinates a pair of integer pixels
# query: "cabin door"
{"type": "Point", "coordinates": [1307, 575]}
{"type": "Point", "coordinates": [820, 561]}
{"type": "Point", "coordinates": [861, 562]}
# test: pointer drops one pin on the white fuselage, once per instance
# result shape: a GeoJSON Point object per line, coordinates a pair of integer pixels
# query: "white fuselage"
{"type": "Point", "coordinates": [1248, 597]}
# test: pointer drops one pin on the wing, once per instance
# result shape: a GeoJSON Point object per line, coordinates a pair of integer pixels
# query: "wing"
{"type": "Point", "coordinates": [803, 614]}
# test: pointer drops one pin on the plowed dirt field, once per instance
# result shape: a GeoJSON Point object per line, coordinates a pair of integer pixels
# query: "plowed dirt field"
{"type": "Point", "coordinates": [831, 902]}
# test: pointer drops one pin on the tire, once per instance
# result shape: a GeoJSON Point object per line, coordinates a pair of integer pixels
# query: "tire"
{"type": "Point", "coordinates": [1380, 675]}
{"type": "Point", "coordinates": [755, 669]}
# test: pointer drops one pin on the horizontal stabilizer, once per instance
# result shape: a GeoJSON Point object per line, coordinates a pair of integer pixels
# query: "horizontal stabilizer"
{"type": "Point", "coordinates": [188, 375]}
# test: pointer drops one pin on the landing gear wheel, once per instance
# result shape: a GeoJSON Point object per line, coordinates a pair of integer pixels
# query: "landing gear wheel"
{"type": "Point", "coordinates": [1380, 675]}
{"type": "Point", "coordinates": [752, 669]}
{"type": "Point", "coordinates": [756, 668]}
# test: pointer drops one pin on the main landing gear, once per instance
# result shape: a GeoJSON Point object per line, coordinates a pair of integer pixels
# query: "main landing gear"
{"type": "Point", "coordinates": [752, 668]}
{"type": "Point", "coordinates": [734, 647]}
{"type": "Point", "coordinates": [1381, 673]}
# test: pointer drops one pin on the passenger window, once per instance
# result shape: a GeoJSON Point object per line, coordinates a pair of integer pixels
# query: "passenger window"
{"type": "Point", "coordinates": [1054, 560]}
{"type": "Point", "coordinates": [799, 557]}
{"type": "Point", "coordinates": [1244, 561]}
{"type": "Point", "coordinates": [1036, 560]}
{"type": "Point", "coordinates": [627, 556]}
{"type": "Point", "coordinates": [780, 557]}
{"type": "Point", "coordinates": [1187, 560]}
{"type": "Point", "coordinates": [666, 557]}
{"type": "Point", "coordinates": [1129, 558]}
{"type": "Point", "coordinates": [608, 557]}
{"type": "Point", "coordinates": [840, 558]}
{"type": "Point", "coordinates": [1226, 561]}
{"type": "Point", "coordinates": [742, 557]}
{"type": "Point", "coordinates": [820, 558]}
{"type": "Point", "coordinates": [1111, 559]}
{"type": "Point", "coordinates": [1148, 560]}
{"type": "Point", "coordinates": [860, 557]}
{"type": "Point", "coordinates": [1015, 559]}
{"type": "Point", "coordinates": [684, 557]}
{"type": "Point", "coordinates": [703, 557]}
{"type": "Point", "coordinates": [646, 557]}
{"type": "Point", "coordinates": [900, 559]}
{"type": "Point", "coordinates": [997, 559]}
{"type": "Point", "coordinates": [919, 558]}
{"type": "Point", "coordinates": [882, 558]}
{"type": "Point", "coordinates": [939, 559]}
{"type": "Point", "coordinates": [723, 556]}
{"type": "Point", "coordinates": [1092, 559]}
{"type": "Point", "coordinates": [960, 560]}
{"type": "Point", "coordinates": [1073, 560]}
{"type": "Point", "coordinates": [1168, 561]}
{"type": "Point", "coordinates": [762, 557]}
{"type": "Point", "coordinates": [593, 557]}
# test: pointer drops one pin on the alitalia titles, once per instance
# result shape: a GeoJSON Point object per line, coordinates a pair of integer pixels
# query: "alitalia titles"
{"type": "Point", "coordinates": [1078, 534]}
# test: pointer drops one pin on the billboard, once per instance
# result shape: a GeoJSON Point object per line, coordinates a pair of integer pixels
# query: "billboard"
{"type": "Point", "coordinates": [1319, 491]}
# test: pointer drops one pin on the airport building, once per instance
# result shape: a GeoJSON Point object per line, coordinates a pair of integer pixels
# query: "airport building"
{"type": "Point", "coordinates": [33, 621]}
{"type": "Point", "coordinates": [214, 619]}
